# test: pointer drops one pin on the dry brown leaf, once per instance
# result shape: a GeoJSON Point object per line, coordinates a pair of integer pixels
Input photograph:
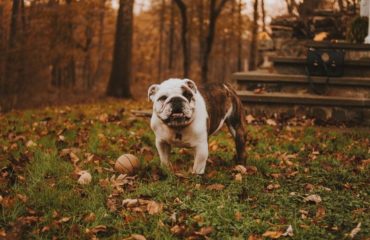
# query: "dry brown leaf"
{"type": "Point", "coordinates": [289, 231]}
{"type": "Point", "coordinates": [275, 175]}
{"type": "Point", "coordinates": [89, 218]}
{"type": "Point", "coordinates": [137, 237]}
{"type": "Point", "coordinates": [154, 208]}
{"type": "Point", "coordinates": [96, 229]}
{"type": "Point", "coordinates": [177, 229]}
{"type": "Point", "coordinates": [2, 233]}
{"type": "Point", "coordinates": [204, 231]}
{"type": "Point", "coordinates": [22, 197]}
{"type": "Point", "coordinates": [313, 198]}
{"type": "Point", "coordinates": [31, 144]}
{"type": "Point", "coordinates": [64, 219]}
{"type": "Point", "coordinates": [271, 122]}
{"type": "Point", "coordinates": [254, 237]}
{"type": "Point", "coordinates": [85, 178]}
{"type": "Point", "coordinates": [217, 187]}
{"type": "Point", "coordinates": [238, 177]}
{"type": "Point", "coordinates": [354, 231]}
{"type": "Point", "coordinates": [273, 186]}
{"type": "Point", "coordinates": [320, 212]}
{"type": "Point", "coordinates": [272, 234]}
{"type": "Point", "coordinates": [249, 118]}
{"type": "Point", "coordinates": [238, 216]}
{"type": "Point", "coordinates": [240, 169]}
{"type": "Point", "coordinates": [309, 187]}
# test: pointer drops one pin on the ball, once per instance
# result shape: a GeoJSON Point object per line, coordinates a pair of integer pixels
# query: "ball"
{"type": "Point", "coordinates": [127, 164]}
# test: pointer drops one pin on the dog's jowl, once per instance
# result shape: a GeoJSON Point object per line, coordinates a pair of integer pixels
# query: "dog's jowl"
{"type": "Point", "coordinates": [184, 115]}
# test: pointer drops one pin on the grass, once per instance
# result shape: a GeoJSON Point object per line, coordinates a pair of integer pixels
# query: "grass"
{"type": "Point", "coordinates": [41, 199]}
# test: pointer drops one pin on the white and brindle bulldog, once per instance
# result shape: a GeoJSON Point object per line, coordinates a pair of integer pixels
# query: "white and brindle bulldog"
{"type": "Point", "coordinates": [185, 115]}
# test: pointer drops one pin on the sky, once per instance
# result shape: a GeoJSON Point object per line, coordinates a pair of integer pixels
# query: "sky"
{"type": "Point", "coordinates": [273, 7]}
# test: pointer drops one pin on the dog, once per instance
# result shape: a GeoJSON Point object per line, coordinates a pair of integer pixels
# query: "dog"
{"type": "Point", "coordinates": [185, 115]}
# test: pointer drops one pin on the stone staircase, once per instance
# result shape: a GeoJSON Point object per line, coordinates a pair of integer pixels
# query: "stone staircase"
{"type": "Point", "coordinates": [287, 91]}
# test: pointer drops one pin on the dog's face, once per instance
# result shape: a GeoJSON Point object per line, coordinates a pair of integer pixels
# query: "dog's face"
{"type": "Point", "coordinates": [174, 101]}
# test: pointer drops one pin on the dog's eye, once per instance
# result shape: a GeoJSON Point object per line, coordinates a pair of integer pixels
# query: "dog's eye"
{"type": "Point", "coordinates": [188, 95]}
{"type": "Point", "coordinates": [163, 98]}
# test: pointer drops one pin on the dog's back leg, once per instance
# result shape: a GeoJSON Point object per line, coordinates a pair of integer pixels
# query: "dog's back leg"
{"type": "Point", "coordinates": [236, 127]}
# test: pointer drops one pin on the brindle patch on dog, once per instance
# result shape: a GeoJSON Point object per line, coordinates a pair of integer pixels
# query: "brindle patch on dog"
{"type": "Point", "coordinates": [223, 104]}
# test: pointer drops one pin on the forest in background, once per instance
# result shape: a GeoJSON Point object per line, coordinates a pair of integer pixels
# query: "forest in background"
{"type": "Point", "coordinates": [62, 51]}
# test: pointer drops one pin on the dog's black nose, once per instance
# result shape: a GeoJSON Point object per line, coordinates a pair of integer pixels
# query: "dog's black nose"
{"type": "Point", "coordinates": [176, 104]}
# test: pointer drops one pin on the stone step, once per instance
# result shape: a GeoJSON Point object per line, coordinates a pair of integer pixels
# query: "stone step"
{"type": "Point", "coordinates": [297, 65]}
{"type": "Point", "coordinates": [302, 99]}
{"type": "Point", "coordinates": [264, 77]}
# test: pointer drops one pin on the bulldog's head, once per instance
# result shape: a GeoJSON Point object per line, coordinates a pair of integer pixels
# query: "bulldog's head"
{"type": "Point", "coordinates": [174, 101]}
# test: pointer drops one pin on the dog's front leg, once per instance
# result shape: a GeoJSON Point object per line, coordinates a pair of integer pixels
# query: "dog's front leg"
{"type": "Point", "coordinates": [201, 156]}
{"type": "Point", "coordinates": [164, 150]}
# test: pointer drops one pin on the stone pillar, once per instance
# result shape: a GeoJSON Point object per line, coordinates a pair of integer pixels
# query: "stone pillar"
{"type": "Point", "coordinates": [365, 12]}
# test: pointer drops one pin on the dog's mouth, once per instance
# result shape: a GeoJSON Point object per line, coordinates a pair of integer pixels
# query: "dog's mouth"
{"type": "Point", "coordinates": [177, 120]}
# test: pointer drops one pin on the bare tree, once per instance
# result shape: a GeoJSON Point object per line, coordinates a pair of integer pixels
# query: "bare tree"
{"type": "Point", "coordinates": [240, 43]}
{"type": "Point", "coordinates": [171, 36]}
{"type": "Point", "coordinates": [263, 11]}
{"type": "Point", "coordinates": [184, 35]}
{"type": "Point", "coordinates": [14, 69]}
{"type": "Point", "coordinates": [120, 78]}
{"type": "Point", "coordinates": [253, 47]}
{"type": "Point", "coordinates": [214, 13]}
{"type": "Point", "coordinates": [161, 30]}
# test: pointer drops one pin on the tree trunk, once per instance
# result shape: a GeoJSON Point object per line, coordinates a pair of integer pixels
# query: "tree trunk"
{"type": "Point", "coordinates": [240, 43]}
{"type": "Point", "coordinates": [161, 30]}
{"type": "Point", "coordinates": [14, 69]}
{"type": "Point", "coordinates": [263, 10]}
{"type": "Point", "coordinates": [201, 29]}
{"type": "Point", "coordinates": [214, 12]}
{"type": "Point", "coordinates": [171, 37]}
{"type": "Point", "coordinates": [99, 65]}
{"type": "Point", "coordinates": [253, 47]}
{"type": "Point", "coordinates": [120, 78]}
{"type": "Point", "coordinates": [184, 35]}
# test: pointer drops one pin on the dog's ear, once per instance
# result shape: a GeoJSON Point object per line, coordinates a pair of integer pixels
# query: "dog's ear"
{"type": "Point", "coordinates": [152, 91]}
{"type": "Point", "coordinates": [191, 84]}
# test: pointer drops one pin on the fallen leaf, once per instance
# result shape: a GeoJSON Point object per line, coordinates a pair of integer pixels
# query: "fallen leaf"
{"type": "Point", "coordinates": [64, 219]}
{"type": "Point", "coordinates": [273, 186]}
{"type": "Point", "coordinates": [272, 234]}
{"type": "Point", "coordinates": [204, 231]}
{"type": "Point", "coordinates": [2, 233]}
{"type": "Point", "coordinates": [137, 237]}
{"type": "Point", "coordinates": [320, 212]}
{"type": "Point", "coordinates": [241, 169]}
{"type": "Point", "coordinates": [154, 208]}
{"type": "Point", "coordinates": [238, 177]}
{"type": "Point", "coordinates": [177, 229]}
{"type": "Point", "coordinates": [85, 178]}
{"type": "Point", "coordinates": [22, 197]}
{"type": "Point", "coordinates": [309, 187]}
{"type": "Point", "coordinates": [254, 237]}
{"type": "Point", "coordinates": [249, 118]}
{"type": "Point", "coordinates": [313, 198]}
{"type": "Point", "coordinates": [271, 122]}
{"type": "Point", "coordinates": [238, 216]}
{"type": "Point", "coordinates": [354, 231]}
{"type": "Point", "coordinates": [89, 218]}
{"type": "Point", "coordinates": [96, 229]}
{"type": "Point", "coordinates": [217, 187]}
{"type": "Point", "coordinates": [289, 231]}
{"type": "Point", "coordinates": [31, 144]}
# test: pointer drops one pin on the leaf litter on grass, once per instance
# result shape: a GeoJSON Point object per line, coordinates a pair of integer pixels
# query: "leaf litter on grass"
{"type": "Point", "coordinates": [324, 166]}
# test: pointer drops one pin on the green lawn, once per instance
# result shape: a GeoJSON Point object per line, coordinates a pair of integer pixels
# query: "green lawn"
{"type": "Point", "coordinates": [41, 152]}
